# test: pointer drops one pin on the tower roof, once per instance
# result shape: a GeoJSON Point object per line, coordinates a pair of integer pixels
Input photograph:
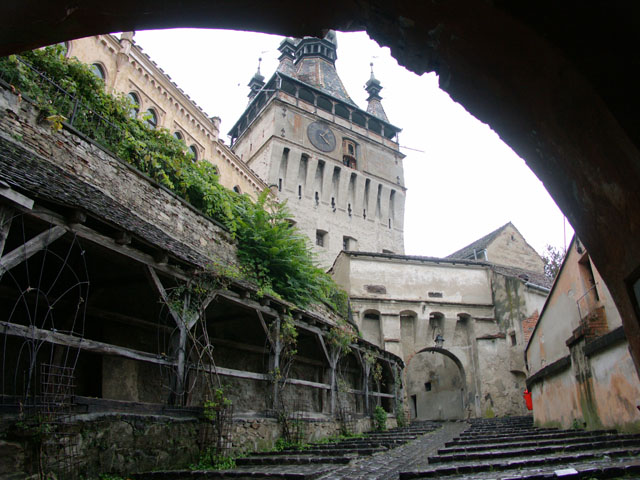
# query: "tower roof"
{"type": "Point", "coordinates": [374, 102]}
{"type": "Point", "coordinates": [307, 69]}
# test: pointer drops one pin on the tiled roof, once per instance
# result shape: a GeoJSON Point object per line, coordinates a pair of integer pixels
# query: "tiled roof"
{"type": "Point", "coordinates": [321, 74]}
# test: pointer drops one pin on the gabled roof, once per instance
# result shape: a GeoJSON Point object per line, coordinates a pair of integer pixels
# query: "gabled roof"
{"type": "Point", "coordinates": [480, 244]}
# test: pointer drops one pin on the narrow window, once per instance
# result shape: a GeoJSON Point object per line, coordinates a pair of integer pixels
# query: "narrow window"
{"type": "Point", "coordinates": [135, 105]}
{"type": "Point", "coordinates": [98, 71]}
{"type": "Point", "coordinates": [279, 184]}
{"type": "Point", "coordinates": [333, 203]}
{"type": "Point", "coordinates": [349, 209]}
{"type": "Point", "coordinates": [299, 192]}
{"type": "Point", "coordinates": [513, 339]}
{"type": "Point", "coordinates": [178, 136]}
{"type": "Point", "coordinates": [317, 198]}
{"type": "Point", "coordinates": [194, 152]}
{"type": "Point", "coordinates": [320, 238]}
{"type": "Point", "coordinates": [151, 118]}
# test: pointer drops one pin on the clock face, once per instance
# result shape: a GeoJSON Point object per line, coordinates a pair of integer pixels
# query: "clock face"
{"type": "Point", "coordinates": [321, 136]}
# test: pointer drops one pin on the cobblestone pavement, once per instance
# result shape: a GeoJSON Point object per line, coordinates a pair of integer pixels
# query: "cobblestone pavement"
{"type": "Point", "coordinates": [411, 456]}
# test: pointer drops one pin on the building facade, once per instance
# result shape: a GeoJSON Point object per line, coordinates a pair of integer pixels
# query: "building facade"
{"type": "Point", "coordinates": [580, 370]}
{"type": "Point", "coordinates": [457, 324]}
{"type": "Point", "coordinates": [127, 70]}
{"type": "Point", "coordinates": [338, 167]}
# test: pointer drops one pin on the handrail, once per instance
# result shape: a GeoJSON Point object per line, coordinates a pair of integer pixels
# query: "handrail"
{"type": "Point", "coordinates": [583, 296]}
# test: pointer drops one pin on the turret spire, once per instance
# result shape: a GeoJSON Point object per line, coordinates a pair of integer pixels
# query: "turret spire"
{"type": "Point", "coordinates": [256, 83]}
{"type": "Point", "coordinates": [374, 101]}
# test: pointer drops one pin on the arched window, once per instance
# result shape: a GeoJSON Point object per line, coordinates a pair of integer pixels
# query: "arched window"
{"type": "Point", "coordinates": [151, 118]}
{"type": "Point", "coordinates": [98, 71]}
{"type": "Point", "coordinates": [135, 104]}
{"type": "Point", "coordinates": [237, 189]}
{"type": "Point", "coordinates": [178, 135]}
{"type": "Point", "coordinates": [194, 151]}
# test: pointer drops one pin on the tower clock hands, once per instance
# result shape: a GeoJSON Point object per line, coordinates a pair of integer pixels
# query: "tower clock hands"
{"type": "Point", "coordinates": [323, 135]}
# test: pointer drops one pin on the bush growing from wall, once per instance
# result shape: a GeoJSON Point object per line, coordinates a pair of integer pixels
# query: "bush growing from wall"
{"type": "Point", "coordinates": [274, 254]}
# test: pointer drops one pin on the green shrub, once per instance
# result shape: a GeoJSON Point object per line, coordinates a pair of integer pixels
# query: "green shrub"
{"type": "Point", "coordinates": [379, 419]}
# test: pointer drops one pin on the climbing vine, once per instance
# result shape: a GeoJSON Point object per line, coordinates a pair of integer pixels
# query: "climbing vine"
{"type": "Point", "coordinates": [274, 254]}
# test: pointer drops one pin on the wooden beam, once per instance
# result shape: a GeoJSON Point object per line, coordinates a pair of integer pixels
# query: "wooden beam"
{"type": "Point", "coordinates": [94, 346]}
{"type": "Point", "coordinates": [266, 330]}
{"type": "Point", "coordinates": [14, 197]}
{"type": "Point", "coordinates": [108, 243]}
{"type": "Point", "coordinates": [126, 319]}
{"type": "Point", "coordinates": [6, 216]}
{"type": "Point", "coordinates": [66, 340]}
{"type": "Point", "coordinates": [155, 281]}
{"type": "Point", "coordinates": [33, 246]}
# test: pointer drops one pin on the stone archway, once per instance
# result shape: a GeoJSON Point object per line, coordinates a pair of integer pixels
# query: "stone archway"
{"type": "Point", "coordinates": [436, 385]}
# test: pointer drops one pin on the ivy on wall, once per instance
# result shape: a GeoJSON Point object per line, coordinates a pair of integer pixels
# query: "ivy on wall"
{"type": "Point", "coordinates": [273, 253]}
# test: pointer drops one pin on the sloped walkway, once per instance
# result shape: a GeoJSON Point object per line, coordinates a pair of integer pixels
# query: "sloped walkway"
{"type": "Point", "coordinates": [412, 455]}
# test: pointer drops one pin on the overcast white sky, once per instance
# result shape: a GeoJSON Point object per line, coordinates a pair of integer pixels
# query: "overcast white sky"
{"type": "Point", "coordinates": [463, 182]}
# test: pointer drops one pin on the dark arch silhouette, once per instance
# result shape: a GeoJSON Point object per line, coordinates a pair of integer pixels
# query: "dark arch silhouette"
{"type": "Point", "coordinates": [563, 98]}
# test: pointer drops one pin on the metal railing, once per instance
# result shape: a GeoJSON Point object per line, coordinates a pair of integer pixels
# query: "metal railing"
{"type": "Point", "coordinates": [589, 300]}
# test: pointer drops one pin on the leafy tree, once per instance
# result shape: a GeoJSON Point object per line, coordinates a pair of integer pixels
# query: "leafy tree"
{"type": "Point", "coordinates": [553, 258]}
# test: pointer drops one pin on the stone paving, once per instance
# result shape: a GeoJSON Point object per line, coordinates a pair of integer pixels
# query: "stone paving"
{"type": "Point", "coordinates": [387, 465]}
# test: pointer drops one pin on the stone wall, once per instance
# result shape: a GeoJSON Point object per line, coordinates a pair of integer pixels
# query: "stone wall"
{"type": "Point", "coordinates": [122, 444]}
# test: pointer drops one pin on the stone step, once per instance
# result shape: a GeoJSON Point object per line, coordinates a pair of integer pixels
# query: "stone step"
{"type": "Point", "coordinates": [324, 451]}
{"type": "Point", "coordinates": [504, 432]}
{"type": "Point", "coordinates": [298, 459]}
{"type": "Point", "coordinates": [541, 435]}
{"type": "Point", "coordinates": [511, 468]}
{"type": "Point", "coordinates": [309, 472]}
{"type": "Point", "coordinates": [370, 444]}
{"type": "Point", "coordinates": [529, 452]}
{"type": "Point", "coordinates": [536, 443]}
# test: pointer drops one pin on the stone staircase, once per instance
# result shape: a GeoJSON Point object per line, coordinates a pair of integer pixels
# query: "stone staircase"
{"type": "Point", "coordinates": [310, 462]}
{"type": "Point", "coordinates": [513, 448]}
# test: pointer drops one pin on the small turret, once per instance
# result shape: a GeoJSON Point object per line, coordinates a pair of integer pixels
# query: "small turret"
{"type": "Point", "coordinates": [287, 50]}
{"type": "Point", "coordinates": [256, 83]}
{"type": "Point", "coordinates": [374, 102]}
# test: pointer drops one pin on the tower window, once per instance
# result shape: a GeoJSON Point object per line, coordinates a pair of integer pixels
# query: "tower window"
{"type": "Point", "coordinates": [317, 198]}
{"type": "Point", "coordinates": [321, 237]}
{"type": "Point", "coordinates": [349, 153]}
{"type": "Point", "coordinates": [299, 191]}
{"type": "Point", "coordinates": [279, 184]}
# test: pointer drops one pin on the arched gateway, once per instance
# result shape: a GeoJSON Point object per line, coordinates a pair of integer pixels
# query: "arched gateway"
{"type": "Point", "coordinates": [436, 385]}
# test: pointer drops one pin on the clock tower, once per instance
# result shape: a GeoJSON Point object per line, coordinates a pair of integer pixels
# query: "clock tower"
{"type": "Point", "coordinates": [338, 166]}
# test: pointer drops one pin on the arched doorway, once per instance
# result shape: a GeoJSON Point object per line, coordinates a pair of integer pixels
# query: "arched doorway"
{"type": "Point", "coordinates": [435, 385]}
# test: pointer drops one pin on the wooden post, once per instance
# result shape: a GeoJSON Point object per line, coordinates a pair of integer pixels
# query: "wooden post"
{"type": "Point", "coordinates": [333, 364]}
{"type": "Point", "coordinates": [275, 361]}
{"type": "Point", "coordinates": [6, 215]}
